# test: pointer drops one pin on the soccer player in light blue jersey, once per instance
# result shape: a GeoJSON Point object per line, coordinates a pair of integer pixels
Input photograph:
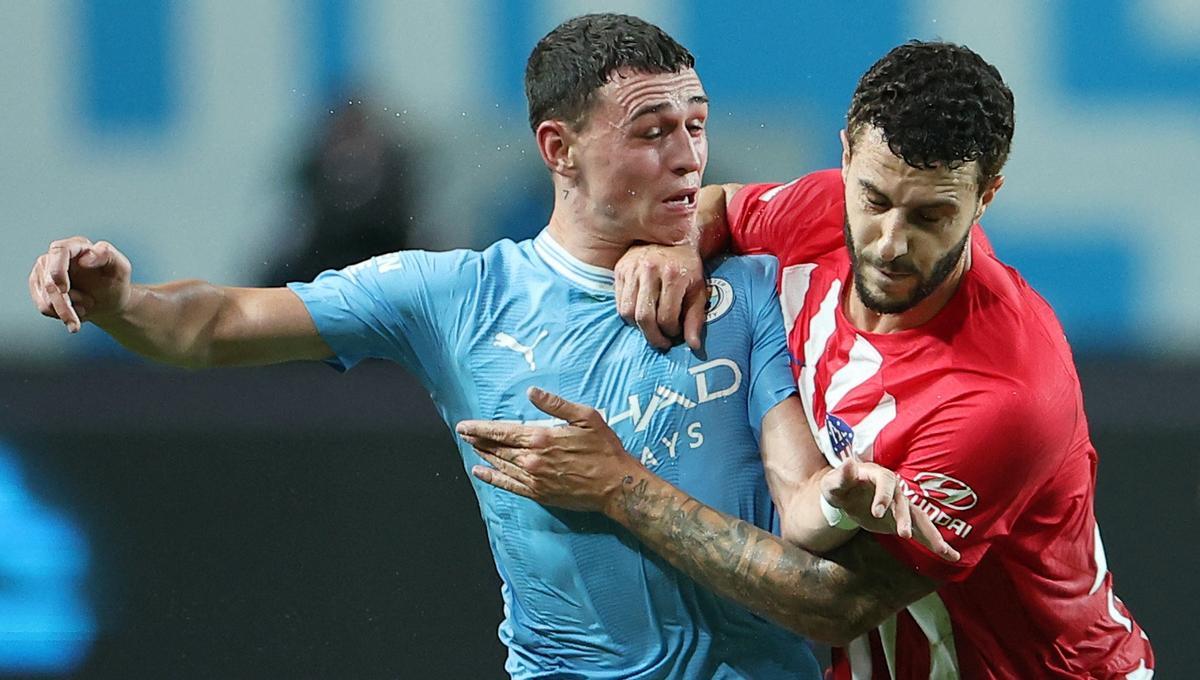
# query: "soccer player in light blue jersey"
{"type": "Point", "coordinates": [619, 118]}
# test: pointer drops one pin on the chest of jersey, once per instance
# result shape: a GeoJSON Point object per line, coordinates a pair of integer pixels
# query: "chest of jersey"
{"type": "Point", "coordinates": [862, 393]}
{"type": "Point", "coordinates": [684, 416]}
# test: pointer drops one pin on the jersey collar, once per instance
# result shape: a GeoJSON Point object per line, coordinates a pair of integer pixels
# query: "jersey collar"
{"type": "Point", "coordinates": [586, 275]}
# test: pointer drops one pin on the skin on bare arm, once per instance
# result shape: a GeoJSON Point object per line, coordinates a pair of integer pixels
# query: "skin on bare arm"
{"type": "Point", "coordinates": [799, 477]}
{"type": "Point", "coordinates": [583, 466]}
{"type": "Point", "coordinates": [185, 323]}
{"type": "Point", "coordinates": [662, 288]}
{"type": "Point", "coordinates": [832, 598]}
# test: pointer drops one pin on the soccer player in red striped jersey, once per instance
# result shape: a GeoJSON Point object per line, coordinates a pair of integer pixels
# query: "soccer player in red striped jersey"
{"type": "Point", "coordinates": [916, 348]}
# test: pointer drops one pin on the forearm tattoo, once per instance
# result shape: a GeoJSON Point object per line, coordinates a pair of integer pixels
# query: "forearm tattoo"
{"type": "Point", "coordinates": [846, 591]}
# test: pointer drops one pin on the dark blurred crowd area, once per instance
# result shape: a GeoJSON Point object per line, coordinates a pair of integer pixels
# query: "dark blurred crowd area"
{"type": "Point", "coordinates": [355, 190]}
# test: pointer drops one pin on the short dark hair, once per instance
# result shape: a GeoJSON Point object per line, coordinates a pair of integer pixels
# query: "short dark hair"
{"type": "Point", "coordinates": [579, 56]}
{"type": "Point", "coordinates": [936, 103]}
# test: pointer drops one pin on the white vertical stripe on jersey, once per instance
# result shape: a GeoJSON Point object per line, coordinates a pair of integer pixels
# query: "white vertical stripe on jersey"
{"type": "Point", "coordinates": [887, 640]}
{"type": "Point", "coordinates": [793, 288]}
{"type": "Point", "coordinates": [1101, 572]}
{"type": "Point", "coordinates": [868, 428]}
{"type": "Point", "coordinates": [1116, 613]}
{"type": "Point", "coordinates": [864, 362]}
{"type": "Point", "coordinates": [932, 617]}
{"type": "Point", "coordinates": [1101, 562]}
{"type": "Point", "coordinates": [820, 329]}
{"type": "Point", "coordinates": [858, 653]}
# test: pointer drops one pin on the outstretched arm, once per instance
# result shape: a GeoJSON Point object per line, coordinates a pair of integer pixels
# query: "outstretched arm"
{"type": "Point", "coordinates": [185, 323]}
{"type": "Point", "coordinates": [583, 466]}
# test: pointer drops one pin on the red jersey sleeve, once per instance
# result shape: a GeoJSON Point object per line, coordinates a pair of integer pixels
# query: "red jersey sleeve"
{"type": "Point", "coordinates": [796, 222]}
{"type": "Point", "coordinates": [976, 464]}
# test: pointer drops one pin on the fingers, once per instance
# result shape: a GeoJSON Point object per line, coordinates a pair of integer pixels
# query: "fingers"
{"type": "Point", "coordinates": [928, 535]}
{"type": "Point", "coordinates": [509, 469]}
{"type": "Point", "coordinates": [672, 288]}
{"type": "Point", "coordinates": [513, 435]}
{"type": "Point", "coordinates": [37, 292]}
{"type": "Point", "coordinates": [58, 260]}
{"type": "Point", "coordinates": [645, 313]}
{"type": "Point", "coordinates": [55, 280]}
{"type": "Point", "coordinates": [554, 405]}
{"type": "Point", "coordinates": [885, 489]}
{"type": "Point", "coordinates": [694, 313]}
{"type": "Point", "coordinates": [626, 287]}
{"type": "Point", "coordinates": [99, 255]}
{"type": "Point", "coordinates": [500, 480]}
{"type": "Point", "coordinates": [840, 480]}
{"type": "Point", "coordinates": [902, 513]}
{"type": "Point", "coordinates": [61, 304]}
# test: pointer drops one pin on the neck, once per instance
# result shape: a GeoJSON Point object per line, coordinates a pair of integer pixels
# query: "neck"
{"type": "Point", "coordinates": [582, 237]}
{"type": "Point", "coordinates": [875, 322]}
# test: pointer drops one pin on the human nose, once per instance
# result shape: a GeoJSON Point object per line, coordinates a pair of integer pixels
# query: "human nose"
{"type": "Point", "coordinates": [689, 151]}
{"type": "Point", "coordinates": [893, 239]}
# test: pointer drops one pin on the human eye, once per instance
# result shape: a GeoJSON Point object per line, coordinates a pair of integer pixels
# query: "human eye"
{"type": "Point", "coordinates": [875, 200]}
{"type": "Point", "coordinates": [930, 218]}
{"type": "Point", "coordinates": [696, 125]}
{"type": "Point", "coordinates": [652, 132]}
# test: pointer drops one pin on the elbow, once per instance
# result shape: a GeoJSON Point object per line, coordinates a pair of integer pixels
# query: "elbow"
{"type": "Point", "coordinates": [831, 632]}
{"type": "Point", "coordinates": [838, 626]}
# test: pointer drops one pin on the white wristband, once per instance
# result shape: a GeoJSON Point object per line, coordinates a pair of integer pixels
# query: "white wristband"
{"type": "Point", "coordinates": [836, 517]}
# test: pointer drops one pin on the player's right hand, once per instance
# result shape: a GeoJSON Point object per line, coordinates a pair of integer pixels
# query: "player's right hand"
{"type": "Point", "coordinates": [77, 280]}
{"type": "Point", "coordinates": [662, 290]}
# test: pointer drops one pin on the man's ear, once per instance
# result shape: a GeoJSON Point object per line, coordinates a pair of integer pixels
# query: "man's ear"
{"type": "Point", "coordinates": [986, 199]}
{"type": "Point", "coordinates": [845, 153]}
{"type": "Point", "coordinates": [555, 140]}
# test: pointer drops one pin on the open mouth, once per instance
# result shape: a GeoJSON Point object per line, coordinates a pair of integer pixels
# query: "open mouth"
{"type": "Point", "coordinates": [682, 199]}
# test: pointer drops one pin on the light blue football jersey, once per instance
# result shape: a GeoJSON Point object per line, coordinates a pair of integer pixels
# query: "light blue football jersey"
{"type": "Point", "coordinates": [582, 597]}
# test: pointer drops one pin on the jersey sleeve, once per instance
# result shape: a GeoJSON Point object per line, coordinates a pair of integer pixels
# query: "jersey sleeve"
{"type": "Point", "coordinates": [796, 222]}
{"type": "Point", "coordinates": [974, 467]}
{"type": "Point", "coordinates": [403, 306]}
{"type": "Point", "coordinates": [770, 374]}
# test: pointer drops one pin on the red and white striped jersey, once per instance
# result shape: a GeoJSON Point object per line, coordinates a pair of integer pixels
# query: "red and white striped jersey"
{"type": "Point", "coordinates": [980, 412]}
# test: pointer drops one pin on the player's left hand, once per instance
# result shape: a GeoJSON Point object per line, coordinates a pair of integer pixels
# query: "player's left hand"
{"type": "Point", "coordinates": [578, 466]}
{"type": "Point", "coordinates": [873, 496]}
{"type": "Point", "coordinates": [662, 290]}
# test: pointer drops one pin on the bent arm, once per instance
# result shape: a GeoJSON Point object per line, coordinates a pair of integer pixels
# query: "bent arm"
{"type": "Point", "coordinates": [793, 467]}
{"type": "Point", "coordinates": [832, 599]}
{"type": "Point", "coordinates": [196, 324]}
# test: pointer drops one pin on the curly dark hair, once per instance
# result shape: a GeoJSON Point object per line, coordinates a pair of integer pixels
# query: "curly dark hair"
{"type": "Point", "coordinates": [577, 58]}
{"type": "Point", "coordinates": [936, 103]}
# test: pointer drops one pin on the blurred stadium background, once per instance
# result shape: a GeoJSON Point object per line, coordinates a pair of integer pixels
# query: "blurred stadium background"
{"type": "Point", "coordinates": [290, 522]}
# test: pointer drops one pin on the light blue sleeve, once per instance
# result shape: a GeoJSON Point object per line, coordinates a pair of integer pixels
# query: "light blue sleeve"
{"type": "Point", "coordinates": [408, 307]}
{"type": "Point", "coordinates": [770, 374]}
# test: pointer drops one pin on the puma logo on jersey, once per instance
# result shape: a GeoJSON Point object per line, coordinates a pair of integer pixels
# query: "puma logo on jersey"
{"type": "Point", "coordinates": [509, 342]}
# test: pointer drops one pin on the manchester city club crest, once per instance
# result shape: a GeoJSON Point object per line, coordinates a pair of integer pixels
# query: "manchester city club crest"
{"type": "Point", "coordinates": [720, 298]}
{"type": "Point", "coordinates": [841, 436]}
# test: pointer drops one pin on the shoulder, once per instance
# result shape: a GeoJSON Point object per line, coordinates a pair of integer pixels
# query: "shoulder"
{"type": "Point", "coordinates": [1009, 324]}
{"type": "Point", "coordinates": [460, 266]}
{"type": "Point", "coordinates": [798, 221]}
{"type": "Point", "coordinates": [814, 191]}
